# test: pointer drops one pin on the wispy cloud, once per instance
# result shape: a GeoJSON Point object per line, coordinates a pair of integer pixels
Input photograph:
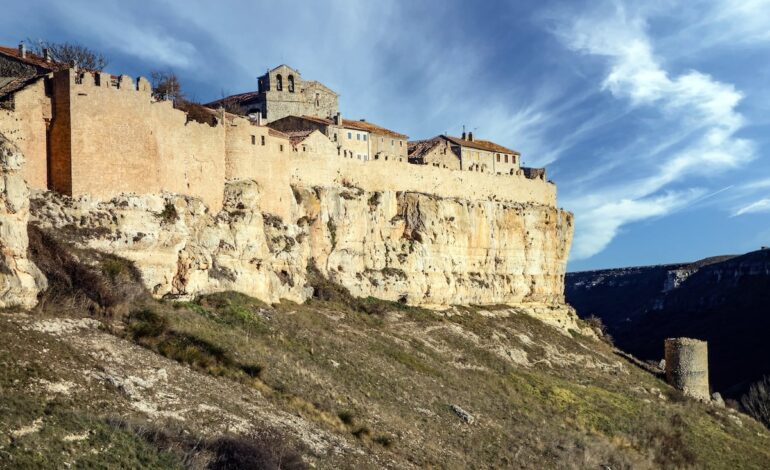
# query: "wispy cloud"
{"type": "Point", "coordinates": [697, 113]}
{"type": "Point", "coordinates": [762, 205]}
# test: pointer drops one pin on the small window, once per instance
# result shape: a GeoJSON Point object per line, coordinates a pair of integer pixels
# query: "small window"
{"type": "Point", "coordinates": [279, 85]}
{"type": "Point", "coordinates": [392, 142]}
{"type": "Point", "coordinates": [400, 143]}
{"type": "Point", "coordinates": [350, 135]}
{"type": "Point", "coordinates": [382, 139]}
{"type": "Point", "coordinates": [358, 136]}
{"type": "Point", "coordinates": [263, 140]}
{"type": "Point", "coordinates": [365, 137]}
{"type": "Point", "coordinates": [386, 158]}
{"type": "Point", "coordinates": [281, 147]}
{"type": "Point", "coordinates": [304, 148]}
{"type": "Point", "coordinates": [506, 159]}
{"type": "Point", "coordinates": [291, 83]}
{"type": "Point", "coordinates": [359, 156]}
{"type": "Point", "coordinates": [335, 137]}
{"type": "Point", "coordinates": [338, 151]}
{"type": "Point", "coordinates": [253, 140]}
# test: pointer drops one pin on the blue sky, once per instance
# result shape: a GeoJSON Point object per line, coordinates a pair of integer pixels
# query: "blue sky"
{"type": "Point", "coordinates": [652, 117]}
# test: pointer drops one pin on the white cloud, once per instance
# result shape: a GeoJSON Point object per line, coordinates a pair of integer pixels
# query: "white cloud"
{"type": "Point", "coordinates": [762, 205]}
{"type": "Point", "coordinates": [598, 224]}
{"type": "Point", "coordinates": [695, 110]}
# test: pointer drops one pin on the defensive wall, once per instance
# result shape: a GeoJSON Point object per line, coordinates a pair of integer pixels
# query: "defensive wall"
{"type": "Point", "coordinates": [24, 121]}
{"type": "Point", "coordinates": [108, 135]}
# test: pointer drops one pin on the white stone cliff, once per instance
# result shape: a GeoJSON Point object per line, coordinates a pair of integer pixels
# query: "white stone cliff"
{"type": "Point", "coordinates": [20, 279]}
{"type": "Point", "coordinates": [407, 246]}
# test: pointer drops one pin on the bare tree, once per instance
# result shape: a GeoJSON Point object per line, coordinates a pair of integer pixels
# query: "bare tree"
{"type": "Point", "coordinates": [166, 86]}
{"type": "Point", "coordinates": [70, 53]}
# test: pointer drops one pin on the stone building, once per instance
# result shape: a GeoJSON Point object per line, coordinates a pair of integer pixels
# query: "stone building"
{"type": "Point", "coordinates": [359, 140]}
{"type": "Point", "coordinates": [281, 92]}
{"type": "Point", "coordinates": [18, 65]}
{"type": "Point", "coordinates": [465, 153]}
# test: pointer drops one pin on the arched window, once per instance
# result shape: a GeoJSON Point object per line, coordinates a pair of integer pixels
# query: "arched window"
{"type": "Point", "coordinates": [279, 85]}
{"type": "Point", "coordinates": [291, 83]}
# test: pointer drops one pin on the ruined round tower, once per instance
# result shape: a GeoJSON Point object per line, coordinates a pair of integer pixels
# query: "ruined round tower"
{"type": "Point", "coordinates": [687, 366]}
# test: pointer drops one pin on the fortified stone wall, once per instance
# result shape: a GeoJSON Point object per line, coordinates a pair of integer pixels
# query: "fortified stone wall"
{"type": "Point", "coordinates": [24, 124]}
{"type": "Point", "coordinates": [115, 139]}
{"type": "Point", "coordinates": [110, 137]}
{"type": "Point", "coordinates": [277, 172]}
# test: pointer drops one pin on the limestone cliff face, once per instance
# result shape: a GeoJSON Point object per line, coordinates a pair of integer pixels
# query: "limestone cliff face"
{"type": "Point", "coordinates": [400, 246]}
{"type": "Point", "coordinates": [428, 250]}
{"type": "Point", "coordinates": [20, 280]}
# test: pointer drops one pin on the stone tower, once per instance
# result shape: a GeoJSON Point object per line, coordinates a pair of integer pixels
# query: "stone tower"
{"type": "Point", "coordinates": [687, 367]}
{"type": "Point", "coordinates": [282, 92]}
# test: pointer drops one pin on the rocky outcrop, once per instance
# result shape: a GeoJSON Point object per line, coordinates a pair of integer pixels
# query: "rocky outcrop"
{"type": "Point", "coordinates": [20, 280]}
{"type": "Point", "coordinates": [405, 246]}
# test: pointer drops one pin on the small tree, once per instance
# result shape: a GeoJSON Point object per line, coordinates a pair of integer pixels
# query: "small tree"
{"type": "Point", "coordinates": [70, 53]}
{"type": "Point", "coordinates": [757, 401]}
{"type": "Point", "coordinates": [166, 86]}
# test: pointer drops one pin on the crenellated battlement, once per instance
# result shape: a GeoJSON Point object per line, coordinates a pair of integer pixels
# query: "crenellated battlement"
{"type": "Point", "coordinates": [103, 80]}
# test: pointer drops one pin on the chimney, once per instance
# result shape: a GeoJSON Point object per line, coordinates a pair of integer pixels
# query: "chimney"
{"type": "Point", "coordinates": [470, 136]}
{"type": "Point", "coordinates": [22, 50]}
{"type": "Point", "coordinates": [463, 135]}
{"type": "Point", "coordinates": [338, 119]}
{"type": "Point", "coordinates": [47, 54]}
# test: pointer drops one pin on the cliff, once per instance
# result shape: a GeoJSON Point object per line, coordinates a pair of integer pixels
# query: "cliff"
{"type": "Point", "coordinates": [20, 280]}
{"type": "Point", "coordinates": [406, 246]}
{"type": "Point", "coordinates": [722, 300]}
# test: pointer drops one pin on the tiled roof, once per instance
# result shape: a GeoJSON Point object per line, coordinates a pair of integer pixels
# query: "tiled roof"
{"type": "Point", "coordinates": [418, 148]}
{"type": "Point", "coordinates": [234, 99]}
{"type": "Point", "coordinates": [276, 133]}
{"type": "Point", "coordinates": [319, 120]}
{"type": "Point", "coordinates": [295, 137]}
{"type": "Point", "coordinates": [30, 58]}
{"type": "Point", "coordinates": [16, 84]}
{"type": "Point", "coordinates": [373, 128]}
{"type": "Point", "coordinates": [480, 145]}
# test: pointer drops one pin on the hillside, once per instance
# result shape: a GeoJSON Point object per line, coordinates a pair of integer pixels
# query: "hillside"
{"type": "Point", "coordinates": [101, 374]}
{"type": "Point", "coordinates": [722, 300]}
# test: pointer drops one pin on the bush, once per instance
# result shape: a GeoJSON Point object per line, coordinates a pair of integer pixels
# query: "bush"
{"type": "Point", "coordinates": [84, 280]}
{"type": "Point", "coordinates": [756, 402]}
{"type": "Point", "coordinates": [266, 451]}
{"type": "Point", "coordinates": [596, 324]}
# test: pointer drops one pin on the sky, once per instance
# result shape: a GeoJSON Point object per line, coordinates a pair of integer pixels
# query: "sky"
{"type": "Point", "coordinates": [653, 118]}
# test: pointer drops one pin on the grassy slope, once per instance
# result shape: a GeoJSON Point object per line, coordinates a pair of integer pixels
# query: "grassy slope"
{"type": "Point", "coordinates": [381, 377]}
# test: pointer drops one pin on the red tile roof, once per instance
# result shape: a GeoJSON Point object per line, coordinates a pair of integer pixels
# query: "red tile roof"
{"type": "Point", "coordinates": [234, 99]}
{"type": "Point", "coordinates": [295, 137]}
{"type": "Point", "coordinates": [373, 128]}
{"type": "Point", "coordinates": [31, 59]}
{"type": "Point", "coordinates": [480, 145]}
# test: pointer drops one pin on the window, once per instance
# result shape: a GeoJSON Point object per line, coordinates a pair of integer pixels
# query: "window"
{"type": "Point", "coordinates": [350, 135]}
{"type": "Point", "coordinates": [335, 137]}
{"type": "Point", "coordinates": [382, 139]}
{"type": "Point", "coordinates": [304, 148]}
{"type": "Point", "coordinates": [364, 137]}
{"type": "Point", "coordinates": [400, 143]}
{"type": "Point", "coordinates": [358, 136]}
{"type": "Point", "coordinates": [338, 151]}
{"type": "Point", "coordinates": [263, 140]}
{"type": "Point", "coordinates": [359, 156]}
{"type": "Point", "coordinates": [279, 84]}
{"type": "Point", "coordinates": [392, 142]}
{"type": "Point", "coordinates": [253, 140]}
{"type": "Point", "coordinates": [317, 100]}
{"type": "Point", "coordinates": [506, 159]}
{"type": "Point", "coordinates": [291, 83]}
{"type": "Point", "coordinates": [281, 147]}
{"type": "Point", "coordinates": [498, 158]}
